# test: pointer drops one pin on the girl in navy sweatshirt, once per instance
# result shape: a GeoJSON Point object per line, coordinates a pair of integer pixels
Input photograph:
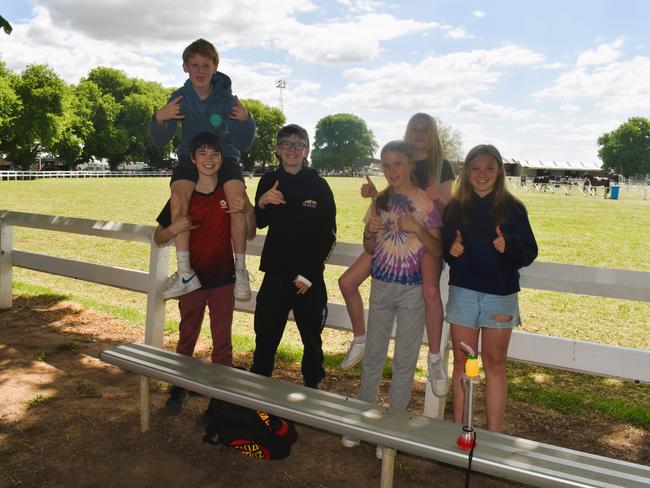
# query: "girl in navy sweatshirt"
{"type": "Point", "coordinates": [486, 237]}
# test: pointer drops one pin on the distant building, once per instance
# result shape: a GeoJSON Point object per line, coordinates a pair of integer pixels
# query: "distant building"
{"type": "Point", "coordinates": [522, 167]}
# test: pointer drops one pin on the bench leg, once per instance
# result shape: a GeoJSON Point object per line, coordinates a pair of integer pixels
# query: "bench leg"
{"type": "Point", "coordinates": [145, 423]}
{"type": "Point", "coordinates": [387, 468]}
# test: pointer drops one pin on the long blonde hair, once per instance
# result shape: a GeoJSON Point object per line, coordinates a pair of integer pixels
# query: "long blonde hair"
{"type": "Point", "coordinates": [503, 199]}
{"type": "Point", "coordinates": [434, 151]}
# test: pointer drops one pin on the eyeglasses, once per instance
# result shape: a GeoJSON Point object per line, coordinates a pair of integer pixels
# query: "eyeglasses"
{"type": "Point", "coordinates": [298, 146]}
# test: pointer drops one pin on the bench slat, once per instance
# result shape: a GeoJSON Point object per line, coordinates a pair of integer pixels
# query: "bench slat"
{"type": "Point", "coordinates": [499, 455]}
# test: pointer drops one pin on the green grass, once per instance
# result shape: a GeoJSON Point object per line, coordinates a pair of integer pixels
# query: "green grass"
{"type": "Point", "coordinates": [581, 394]}
{"type": "Point", "coordinates": [572, 230]}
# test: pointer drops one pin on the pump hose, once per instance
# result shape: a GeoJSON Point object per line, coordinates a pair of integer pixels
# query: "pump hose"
{"type": "Point", "coordinates": [468, 471]}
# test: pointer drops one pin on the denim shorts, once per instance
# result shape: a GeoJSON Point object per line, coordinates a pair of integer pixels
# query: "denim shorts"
{"type": "Point", "coordinates": [474, 309]}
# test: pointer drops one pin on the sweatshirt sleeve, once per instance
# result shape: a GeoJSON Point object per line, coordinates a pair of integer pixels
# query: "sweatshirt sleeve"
{"type": "Point", "coordinates": [314, 260]}
{"type": "Point", "coordinates": [448, 234]}
{"type": "Point", "coordinates": [521, 246]}
{"type": "Point", "coordinates": [161, 134]}
{"type": "Point", "coordinates": [242, 133]}
{"type": "Point", "coordinates": [262, 216]}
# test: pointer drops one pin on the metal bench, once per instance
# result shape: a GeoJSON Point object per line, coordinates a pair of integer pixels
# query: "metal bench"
{"type": "Point", "coordinates": [499, 455]}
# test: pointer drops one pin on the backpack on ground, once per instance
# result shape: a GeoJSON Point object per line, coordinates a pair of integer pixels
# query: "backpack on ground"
{"type": "Point", "coordinates": [253, 433]}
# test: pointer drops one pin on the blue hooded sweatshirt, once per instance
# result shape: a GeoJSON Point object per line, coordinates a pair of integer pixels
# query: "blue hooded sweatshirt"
{"type": "Point", "coordinates": [209, 115]}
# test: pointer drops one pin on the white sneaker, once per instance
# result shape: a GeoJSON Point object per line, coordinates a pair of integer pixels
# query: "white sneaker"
{"type": "Point", "coordinates": [242, 285]}
{"type": "Point", "coordinates": [438, 377]}
{"type": "Point", "coordinates": [349, 441]}
{"type": "Point", "coordinates": [379, 451]}
{"type": "Point", "coordinates": [354, 355]}
{"type": "Point", "coordinates": [180, 283]}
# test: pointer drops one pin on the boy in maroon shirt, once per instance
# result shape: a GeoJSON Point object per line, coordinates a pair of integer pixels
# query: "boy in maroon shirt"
{"type": "Point", "coordinates": [211, 257]}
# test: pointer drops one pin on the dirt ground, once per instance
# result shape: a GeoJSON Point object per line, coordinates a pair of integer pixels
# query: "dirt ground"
{"type": "Point", "coordinates": [69, 420]}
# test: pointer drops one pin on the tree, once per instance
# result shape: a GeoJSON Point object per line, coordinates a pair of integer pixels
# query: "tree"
{"type": "Point", "coordinates": [269, 121]}
{"type": "Point", "coordinates": [452, 144]}
{"type": "Point", "coordinates": [627, 148]}
{"type": "Point", "coordinates": [36, 122]}
{"type": "Point", "coordinates": [118, 109]}
{"type": "Point", "coordinates": [10, 105]}
{"type": "Point", "coordinates": [69, 143]}
{"type": "Point", "coordinates": [342, 141]}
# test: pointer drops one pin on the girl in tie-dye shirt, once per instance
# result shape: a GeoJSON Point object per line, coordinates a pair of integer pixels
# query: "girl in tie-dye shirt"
{"type": "Point", "coordinates": [402, 223]}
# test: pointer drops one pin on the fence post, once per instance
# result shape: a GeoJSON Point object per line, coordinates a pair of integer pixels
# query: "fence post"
{"type": "Point", "coordinates": [155, 322]}
{"type": "Point", "coordinates": [154, 329]}
{"type": "Point", "coordinates": [6, 271]}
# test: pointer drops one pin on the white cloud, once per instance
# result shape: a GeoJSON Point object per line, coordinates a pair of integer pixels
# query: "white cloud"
{"type": "Point", "coordinates": [436, 83]}
{"type": "Point", "coordinates": [619, 87]}
{"type": "Point", "coordinates": [553, 66]}
{"type": "Point", "coordinates": [604, 54]}
{"type": "Point", "coordinates": [72, 54]}
{"type": "Point", "coordinates": [161, 27]}
{"type": "Point", "coordinates": [350, 41]}
{"type": "Point", "coordinates": [570, 108]}
{"type": "Point", "coordinates": [474, 106]}
{"type": "Point", "coordinates": [248, 83]}
{"type": "Point", "coordinates": [365, 6]}
{"type": "Point", "coordinates": [458, 33]}
{"type": "Point", "coordinates": [478, 13]}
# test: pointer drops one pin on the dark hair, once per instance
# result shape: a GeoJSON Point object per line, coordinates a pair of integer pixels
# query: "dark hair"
{"type": "Point", "coordinates": [205, 140]}
{"type": "Point", "coordinates": [293, 130]}
{"type": "Point", "coordinates": [202, 47]}
{"type": "Point", "coordinates": [393, 146]}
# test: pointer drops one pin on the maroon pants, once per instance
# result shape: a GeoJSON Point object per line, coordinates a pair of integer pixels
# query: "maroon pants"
{"type": "Point", "coordinates": [220, 302]}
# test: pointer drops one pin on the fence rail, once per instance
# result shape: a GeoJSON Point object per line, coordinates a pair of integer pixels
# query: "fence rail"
{"type": "Point", "coordinates": [555, 352]}
{"type": "Point", "coordinates": [35, 175]}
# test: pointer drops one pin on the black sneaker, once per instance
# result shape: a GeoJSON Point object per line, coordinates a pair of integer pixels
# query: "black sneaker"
{"type": "Point", "coordinates": [177, 399]}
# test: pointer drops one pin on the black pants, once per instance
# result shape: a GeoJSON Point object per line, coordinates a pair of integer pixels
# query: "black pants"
{"type": "Point", "coordinates": [276, 297]}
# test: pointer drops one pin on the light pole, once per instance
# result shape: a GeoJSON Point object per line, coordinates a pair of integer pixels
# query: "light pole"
{"type": "Point", "coordinates": [281, 84]}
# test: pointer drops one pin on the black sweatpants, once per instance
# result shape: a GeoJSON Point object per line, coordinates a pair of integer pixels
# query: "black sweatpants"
{"type": "Point", "coordinates": [276, 297]}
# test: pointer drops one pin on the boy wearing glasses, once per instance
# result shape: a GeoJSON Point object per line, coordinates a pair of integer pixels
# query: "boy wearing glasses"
{"type": "Point", "coordinates": [298, 207]}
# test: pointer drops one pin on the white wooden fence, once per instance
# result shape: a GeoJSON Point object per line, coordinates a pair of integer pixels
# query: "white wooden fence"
{"type": "Point", "coordinates": [554, 352]}
{"type": "Point", "coordinates": [35, 175]}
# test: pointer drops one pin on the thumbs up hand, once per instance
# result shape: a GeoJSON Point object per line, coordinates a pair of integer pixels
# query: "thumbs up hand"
{"type": "Point", "coordinates": [272, 196]}
{"type": "Point", "coordinates": [374, 224]}
{"type": "Point", "coordinates": [499, 242]}
{"type": "Point", "coordinates": [368, 189]}
{"type": "Point", "coordinates": [457, 248]}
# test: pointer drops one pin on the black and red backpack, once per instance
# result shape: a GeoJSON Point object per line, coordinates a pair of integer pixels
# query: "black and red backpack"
{"type": "Point", "coordinates": [253, 433]}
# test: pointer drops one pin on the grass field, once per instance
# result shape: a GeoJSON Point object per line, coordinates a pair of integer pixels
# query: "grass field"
{"type": "Point", "coordinates": [573, 230]}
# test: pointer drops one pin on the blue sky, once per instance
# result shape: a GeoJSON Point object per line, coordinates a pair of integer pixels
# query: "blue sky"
{"type": "Point", "coordinates": [540, 80]}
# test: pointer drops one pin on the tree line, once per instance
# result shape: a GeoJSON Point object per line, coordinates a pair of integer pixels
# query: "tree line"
{"type": "Point", "coordinates": [103, 117]}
